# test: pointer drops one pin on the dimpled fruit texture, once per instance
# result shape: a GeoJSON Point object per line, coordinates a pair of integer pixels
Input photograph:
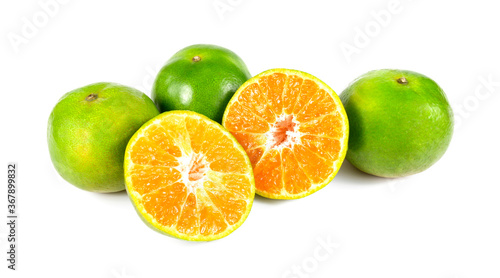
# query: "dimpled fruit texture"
{"type": "Point", "coordinates": [400, 122]}
{"type": "Point", "coordinates": [89, 129]}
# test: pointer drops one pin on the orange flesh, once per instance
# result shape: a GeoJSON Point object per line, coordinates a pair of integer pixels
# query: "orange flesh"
{"type": "Point", "coordinates": [292, 130]}
{"type": "Point", "coordinates": [189, 176]}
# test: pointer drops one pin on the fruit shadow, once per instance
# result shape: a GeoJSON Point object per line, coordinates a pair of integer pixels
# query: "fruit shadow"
{"type": "Point", "coordinates": [118, 197]}
{"type": "Point", "coordinates": [122, 197]}
{"type": "Point", "coordinates": [267, 201]}
{"type": "Point", "coordinates": [349, 175]}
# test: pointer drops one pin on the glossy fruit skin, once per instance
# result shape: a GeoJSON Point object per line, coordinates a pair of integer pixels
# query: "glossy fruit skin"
{"type": "Point", "coordinates": [87, 134]}
{"type": "Point", "coordinates": [398, 127]}
{"type": "Point", "coordinates": [203, 85]}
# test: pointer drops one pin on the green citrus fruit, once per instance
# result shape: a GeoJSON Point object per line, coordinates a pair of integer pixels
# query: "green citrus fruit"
{"type": "Point", "coordinates": [400, 122]}
{"type": "Point", "coordinates": [88, 132]}
{"type": "Point", "coordinates": [200, 78]}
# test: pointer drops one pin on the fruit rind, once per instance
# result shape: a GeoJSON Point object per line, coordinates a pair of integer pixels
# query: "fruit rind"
{"type": "Point", "coordinates": [148, 219]}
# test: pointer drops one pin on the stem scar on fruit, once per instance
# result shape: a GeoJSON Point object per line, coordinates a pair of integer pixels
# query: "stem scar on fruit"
{"type": "Point", "coordinates": [196, 58]}
{"type": "Point", "coordinates": [91, 97]}
{"type": "Point", "coordinates": [402, 80]}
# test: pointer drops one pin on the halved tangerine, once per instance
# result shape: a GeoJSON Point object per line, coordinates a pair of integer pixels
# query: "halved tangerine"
{"type": "Point", "coordinates": [188, 177]}
{"type": "Point", "coordinates": [294, 129]}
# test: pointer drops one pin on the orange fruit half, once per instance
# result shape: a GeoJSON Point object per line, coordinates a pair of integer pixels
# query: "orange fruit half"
{"type": "Point", "coordinates": [188, 177]}
{"type": "Point", "coordinates": [294, 130]}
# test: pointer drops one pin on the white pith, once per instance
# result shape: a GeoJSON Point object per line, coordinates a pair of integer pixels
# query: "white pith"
{"type": "Point", "coordinates": [292, 137]}
{"type": "Point", "coordinates": [186, 164]}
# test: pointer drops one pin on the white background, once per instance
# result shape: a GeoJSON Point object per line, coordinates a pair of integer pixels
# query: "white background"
{"type": "Point", "coordinates": [442, 223]}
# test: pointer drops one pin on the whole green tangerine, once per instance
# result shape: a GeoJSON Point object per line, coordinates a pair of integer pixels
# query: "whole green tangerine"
{"type": "Point", "coordinates": [400, 122]}
{"type": "Point", "coordinates": [88, 131]}
{"type": "Point", "coordinates": [200, 78]}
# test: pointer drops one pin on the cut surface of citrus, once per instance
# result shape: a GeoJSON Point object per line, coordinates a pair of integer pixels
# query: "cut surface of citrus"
{"type": "Point", "coordinates": [188, 177]}
{"type": "Point", "coordinates": [294, 129]}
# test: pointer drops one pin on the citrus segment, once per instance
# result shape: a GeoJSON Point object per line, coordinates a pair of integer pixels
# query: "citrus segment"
{"type": "Point", "coordinates": [328, 126]}
{"type": "Point", "coordinates": [189, 221]}
{"type": "Point", "coordinates": [188, 177]}
{"type": "Point", "coordinates": [322, 146]}
{"type": "Point", "coordinates": [296, 181]}
{"type": "Point", "coordinates": [307, 91]}
{"type": "Point", "coordinates": [149, 178]}
{"type": "Point", "coordinates": [211, 219]}
{"type": "Point", "coordinates": [294, 130]}
{"type": "Point", "coordinates": [268, 173]}
{"type": "Point", "coordinates": [250, 140]}
{"type": "Point", "coordinates": [315, 167]}
{"type": "Point", "coordinates": [291, 92]}
{"type": "Point", "coordinates": [272, 85]}
{"type": "Point", "coordinates": [320, 104]}
{"type": "Point", "coordinates": [255, 98]}
{"type": "Point", "coordinates": [255, 154]}
{"type": "Point", "coordinates": [243, 119]}
{"type": "Point", "coordinates": [229, 207]}
{"type": "Point", "coordinates": [152, 155]}
{"type": "Point", "coordinates": [165, 204]}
